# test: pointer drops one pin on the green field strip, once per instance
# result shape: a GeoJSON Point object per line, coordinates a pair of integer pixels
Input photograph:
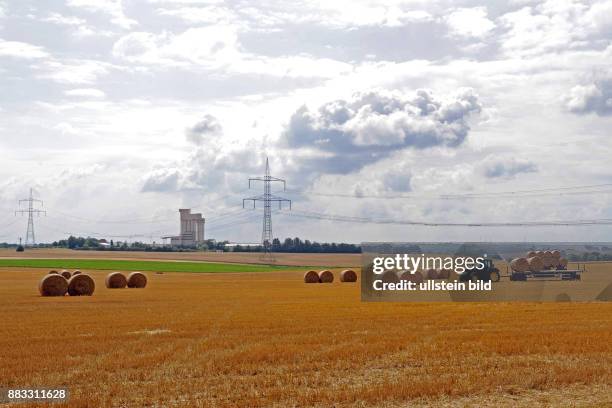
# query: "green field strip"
{"type": "Point", "coordinates": [133, 265]}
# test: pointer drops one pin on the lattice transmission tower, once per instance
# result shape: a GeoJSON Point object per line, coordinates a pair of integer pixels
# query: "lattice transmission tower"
{"type": "Point", "coordinates": [30, 235]}
{"type": "Point", "coordinates": [268, 198]}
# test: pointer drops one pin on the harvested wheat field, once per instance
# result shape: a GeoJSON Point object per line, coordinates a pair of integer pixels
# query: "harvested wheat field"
{"type": "Point", "coordinates": [267, 339]}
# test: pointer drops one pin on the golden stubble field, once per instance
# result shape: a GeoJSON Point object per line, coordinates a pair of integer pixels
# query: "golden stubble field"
{"type": "Point", "coordinates": [267, 339]}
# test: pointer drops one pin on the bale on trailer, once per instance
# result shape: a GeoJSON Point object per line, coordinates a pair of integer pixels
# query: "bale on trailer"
{"type": "Point", "coordinates": [76, 272]}
{"type": "Point", "coordinates": [415, 277]}
{"type": "Point", "coordinates": [66, 274]}
{"type": "Point", "coordinates": [326, 276]}
{"type": "Point", "coordinates": [81, 285]}
{"type": "Point", "coordinates": [136, 280]}
{"type": "Point", "coordinates": [311, 277]}
{"type": "Point", "coordinates": [534, 264]}
{"type": "Point", "coordinates": [53, 284]}
{"type": "Point", "coordinates": [53, 273]}
{"type": "Point", "coordinates": [348, 275]}
{"type": "Point", "coordinates": [539, 253]}
{"type": "Point", "coordinates": [520, 264]}
{"type": "Point", "coordinates": [430, 273]}
{"type": "Point", "coordinates": [115, 280]}
{"type": "Point", "coordinates": [531, 254]}
{"type": "Point", "coordinates": [556, 254]}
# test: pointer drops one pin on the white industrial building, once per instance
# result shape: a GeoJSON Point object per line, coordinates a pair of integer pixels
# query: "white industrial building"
{"type": "Point", "coordinates": [192, 229]}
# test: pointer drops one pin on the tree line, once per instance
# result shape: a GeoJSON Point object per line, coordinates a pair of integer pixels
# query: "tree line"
{"type": "Point", "coordinates": [288, 245]}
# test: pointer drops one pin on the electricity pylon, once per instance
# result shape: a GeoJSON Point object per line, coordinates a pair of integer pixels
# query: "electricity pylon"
{"type": "Point", "coordinates": [267, 198]}
{"type": "Point", "coordinates": [30, 235]}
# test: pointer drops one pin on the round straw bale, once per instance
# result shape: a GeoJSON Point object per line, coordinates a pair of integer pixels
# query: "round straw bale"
{"type": "Point", "coordinates": [53, 285]}
{"type": "Point", "coordinates": [76, 272]}
{"type": "Point", "coordinates": [562, 263]}
{"type": "Point", "coordinates": [415, 277]}
{"type": "Point", "coordinates": [390, 277]}
{"type": "Point", "coordinates": [556, 254]}
{"type": "Point", "coordinates": [520, 264]}
{"type": "Point", "coordinates": [531, 254]}
{"type": "Point", "coordinates": [326, 276]}
{"type": "Point", "coordinates": [137, 280]}
{"type": "Point", "coordinates": [115, 280]}
{"type": "Point", "coordinates": [81, 285]}
{"type": "Point", "coordinates": [534, 264]}
{"type": "Point", "coordinates": [66, 274]}
{"type": "Point", "coordinates": [311, 277]}
{"type": "Point", "coordinates": [443, 273]}
{"type": "Point", "coordinates": [539, 253]}
{"type": "Point", "coordinates": [430, 273]}
{"type": "Point", "coordinates": [348, 275]}
{"type": "Point", "coordinates": [53, 272]}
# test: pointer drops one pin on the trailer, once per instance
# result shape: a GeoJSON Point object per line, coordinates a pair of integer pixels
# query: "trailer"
{"type": "Point", "coordinates": [549, 275]}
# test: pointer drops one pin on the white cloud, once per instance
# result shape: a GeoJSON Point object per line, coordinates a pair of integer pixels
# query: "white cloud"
{"type": "Point", "coordinates": [60, 19]}
{"type": "Point", "coordinates": [217, 47]}
{"type": "Point", "coordinates": [555, 26]}
{"type": "Point", "coordinates": [470, 22]}
{"type": "Point", "coordinates": [591, 98]}
{"type": "Point", "coordinates": [598, 17]}
{"type": "Point", "coordinates": [207, 127]}
{"type": "Point", "coordinates": [499, 166]}
{"type": "Point", "coordinates": [338, 14]}
{"type": "Point", "coordinates": [73, 71]}
{"type": "Point", "coordinates": [206, 14]}
{"type": "Point", "coordinates": [162, 180]}
{"type": "Point", "coordinates": [85, 92]}
{"type": "Point", "coordinates": [18, 49]}
{"type": "Point", "coordinates": [79, 26]}
{"type": "Point", "coordinates": [114, 8]}
{"type": "Point", "coordinates": [211, 47]}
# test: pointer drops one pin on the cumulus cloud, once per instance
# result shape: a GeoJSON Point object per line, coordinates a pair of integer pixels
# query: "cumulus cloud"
{"type": "Point", "coordinates": [591, 98]}
{"type": "Point", "coordinates": [162, 180]}
{"type": "Point", "coordinates": [470, 22]}
{"type": "Point", "coordinates": [506, 167]}
{"type": "Point", "coordinates": [208, 126]}
{"type": "Point", "coordinates": [556, 26]}
{"type": "Point", "coordinates": [345, 135]}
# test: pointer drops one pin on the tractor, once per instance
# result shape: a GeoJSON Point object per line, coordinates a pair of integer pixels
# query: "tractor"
{"type": "Point", "coordinates": [488, 273]}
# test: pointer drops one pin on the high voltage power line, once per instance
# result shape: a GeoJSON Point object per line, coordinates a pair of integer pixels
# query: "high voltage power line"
{"type": "Point", "coordinates": [368, 220]}
{"type": "Point", "coordinates": [558, 191]}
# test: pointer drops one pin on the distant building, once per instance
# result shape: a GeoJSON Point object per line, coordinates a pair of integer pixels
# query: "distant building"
{"type": "Point", "coordinates": [192, 230]}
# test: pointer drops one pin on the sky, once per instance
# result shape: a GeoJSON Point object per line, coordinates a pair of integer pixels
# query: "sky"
{"type": "Point", "coordinates": [117, 113]}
